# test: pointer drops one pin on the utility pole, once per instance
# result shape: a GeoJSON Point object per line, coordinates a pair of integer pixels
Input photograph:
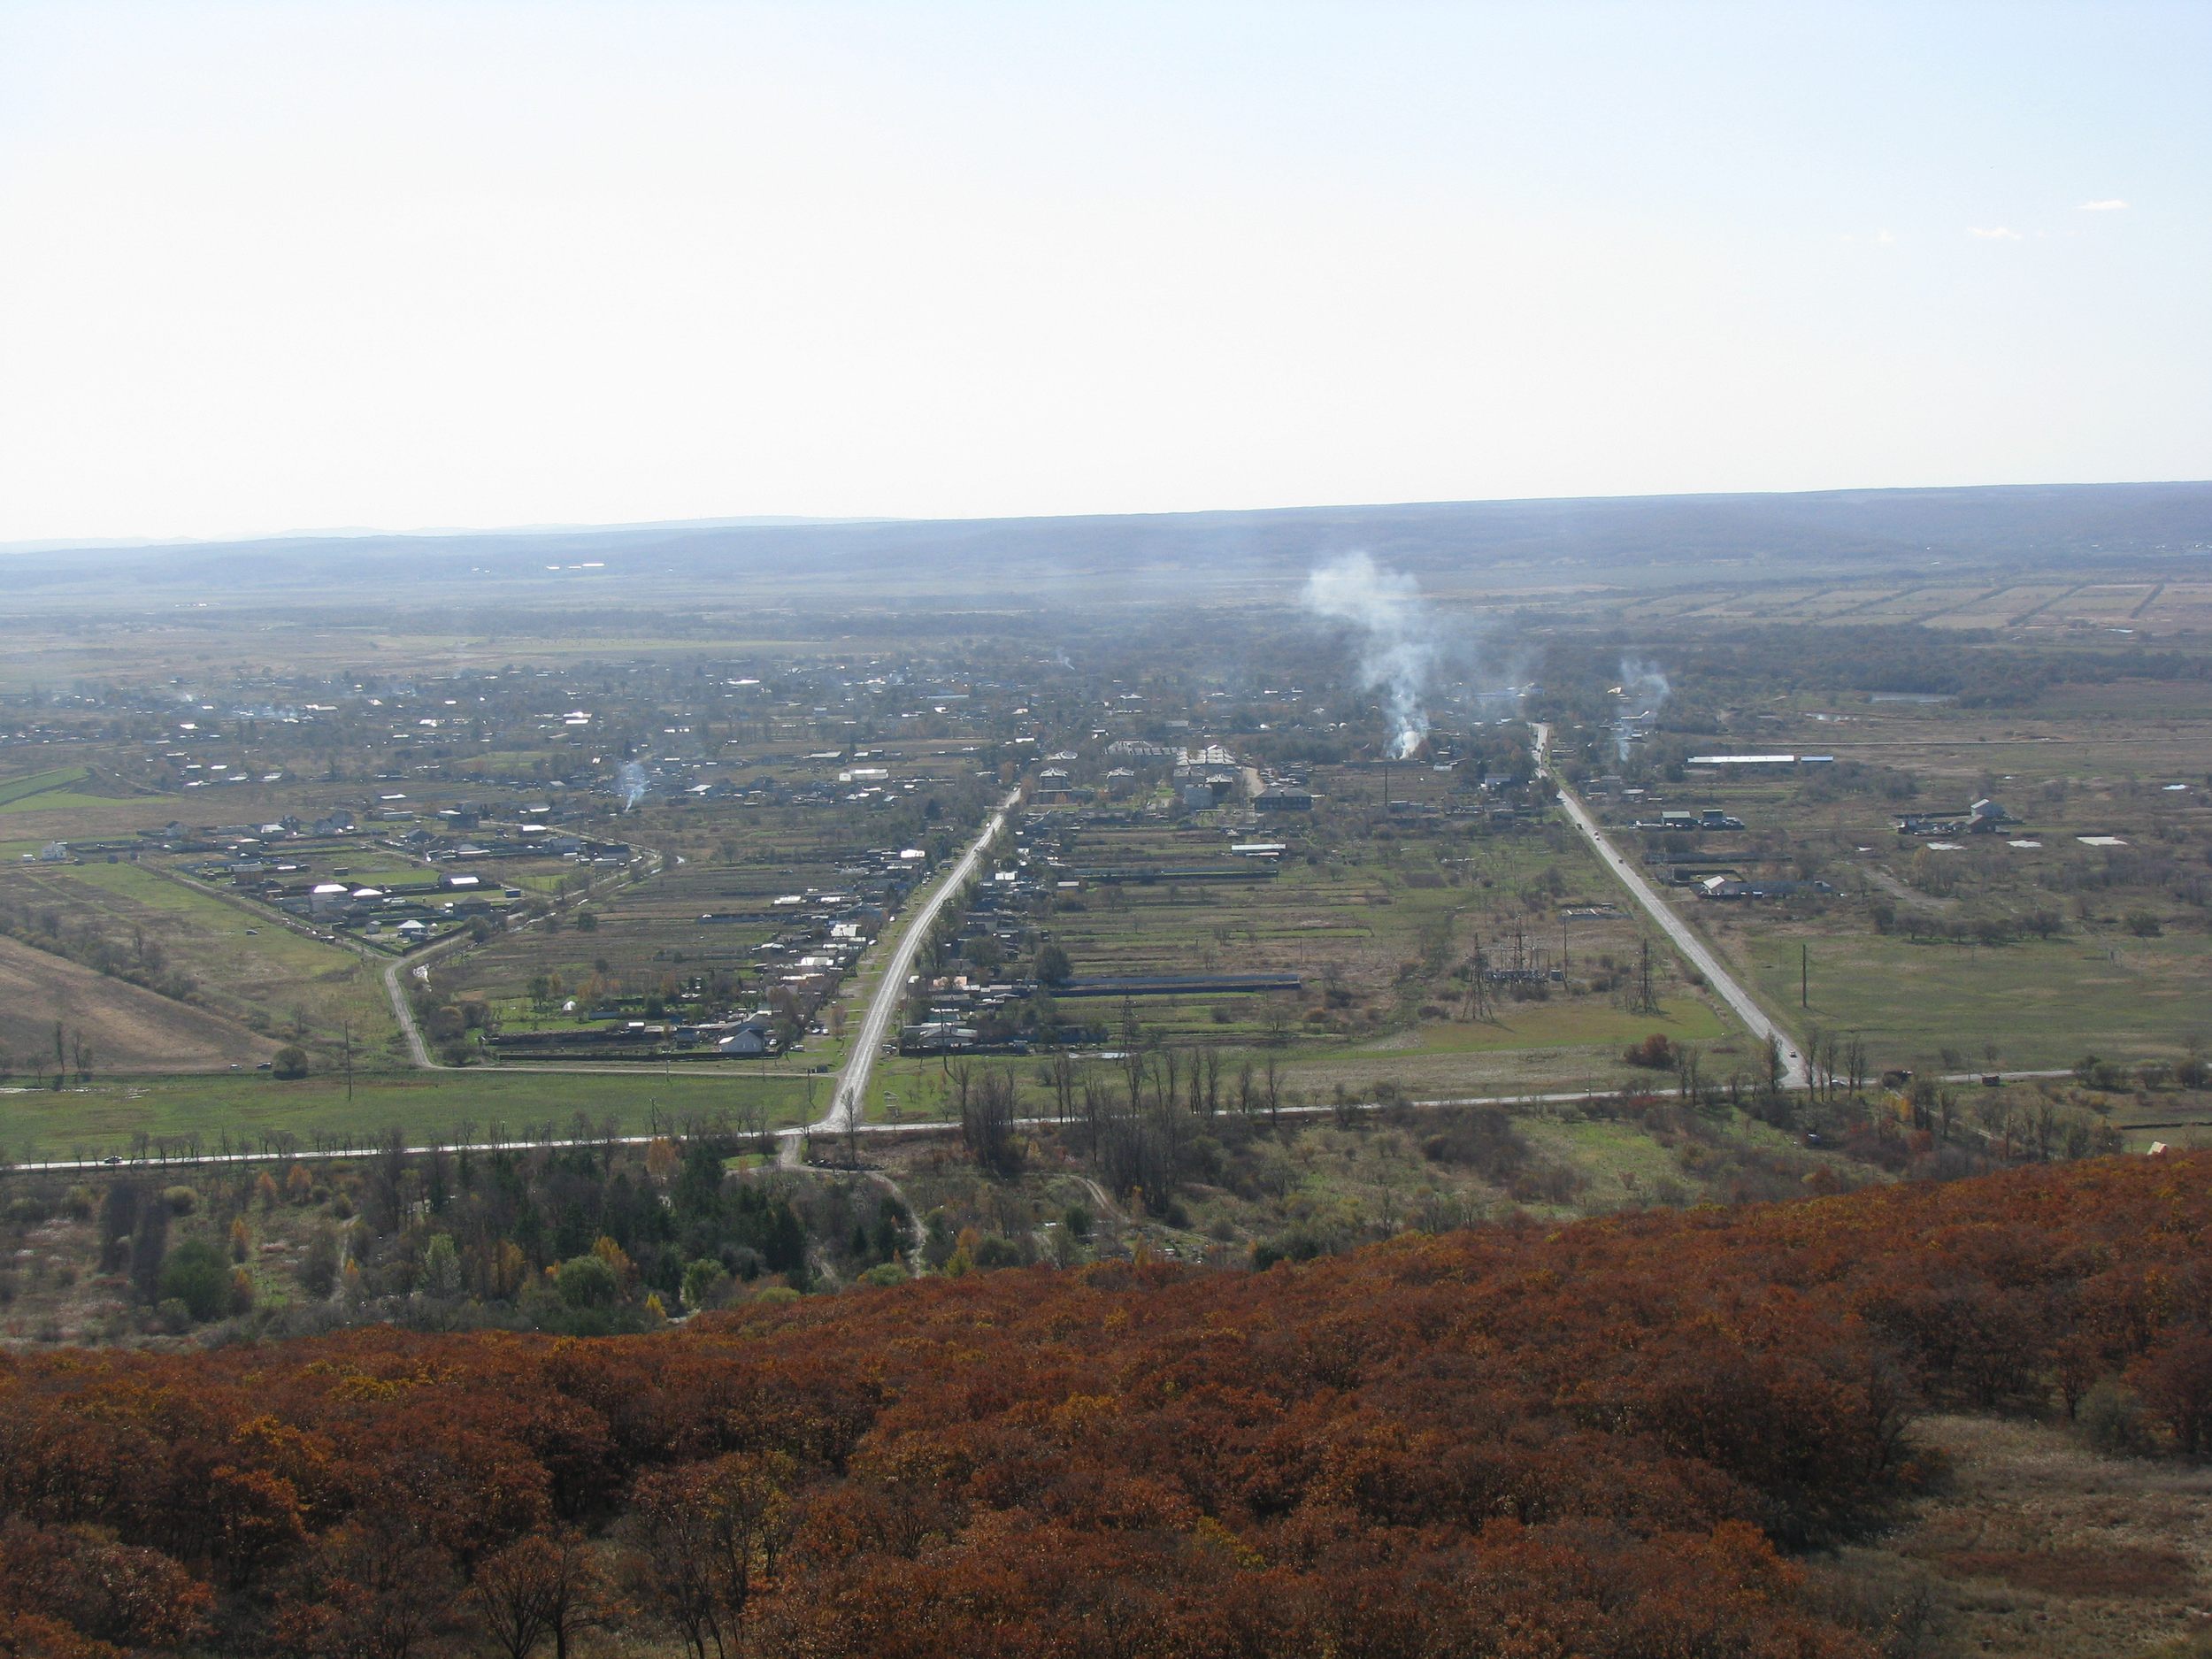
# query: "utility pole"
{"type": "Point", "coordinates": [1804, 974]}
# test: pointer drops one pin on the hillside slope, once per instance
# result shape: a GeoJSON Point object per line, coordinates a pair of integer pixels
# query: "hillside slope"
{"type": "Point", "coordinates": [130, 1028]}
{"type": "Point", "coordinates": [1602, 1439]}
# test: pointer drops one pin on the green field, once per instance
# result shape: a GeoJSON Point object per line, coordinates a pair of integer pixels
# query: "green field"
{"type": "Point", "coordinates": [104, 1118]}
{"type": "Point", "coordinates": [36, 783]}
{"type": "Point", "coordinates": [50, 791]}
{"type": "Point", "coordinates": [1538, 1047]}
{"type": "Point", "coordinates": [2044, 1002]}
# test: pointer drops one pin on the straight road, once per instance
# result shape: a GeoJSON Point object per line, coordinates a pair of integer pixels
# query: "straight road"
{"type": "Point", "coordinates": [1686, 940]}
{"type": "Point", "coordinates": [306, 1154]}
{"type": "Point", "coordinates": [916, 1129]}
{"type": "Point", "coordinates": [848, 1097]}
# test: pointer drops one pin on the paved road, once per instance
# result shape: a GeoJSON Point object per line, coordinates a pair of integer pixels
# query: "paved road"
{"type": "Point", "coordinates": [1684, 938]}
{"type": "Point", "coordinates": [308, 1155]}
{"type": "Point", "coordinates": [848, 1097]}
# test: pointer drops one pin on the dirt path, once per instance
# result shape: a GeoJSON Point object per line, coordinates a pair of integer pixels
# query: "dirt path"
{"type": "Point", "coordinates": [404, 1012]}
{"type": "Point", "coordinates": [1106, 1210]}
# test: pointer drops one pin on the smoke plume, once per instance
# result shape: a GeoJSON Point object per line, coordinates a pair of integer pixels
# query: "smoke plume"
{"type": "Point", "coordinates": [1396, 647]}
{"type": "Point", "coordinates": [630, 779]}
{"type": "Point", "coordinates": [1644, 689]}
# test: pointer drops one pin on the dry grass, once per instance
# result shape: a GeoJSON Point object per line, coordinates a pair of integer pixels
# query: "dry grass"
{"type": "Point", "coordinates": [2034, 1545]}
{"type": "Point", "coordinates": [130, 1028]}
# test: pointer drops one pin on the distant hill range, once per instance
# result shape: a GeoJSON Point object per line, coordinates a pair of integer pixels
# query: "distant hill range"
{"type": "Point", "coordinates": [1632, 541]}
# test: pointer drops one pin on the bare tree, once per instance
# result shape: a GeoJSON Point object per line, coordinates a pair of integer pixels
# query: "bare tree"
{"type": "Point", "coordinates": [987, 1123]}
{"type": "Point", "coordinates": [709, 1534]}
{"type": "Point", "coordinates": [538, 1587]}
{"type": "Point", "coordinates": [1688, 1063]}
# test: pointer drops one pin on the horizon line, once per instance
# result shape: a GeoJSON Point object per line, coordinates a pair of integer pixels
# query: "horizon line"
{"type": "Point", "coordinates": [786, 521]}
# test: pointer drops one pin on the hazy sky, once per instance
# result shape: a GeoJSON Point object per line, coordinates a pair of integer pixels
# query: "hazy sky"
{"type": "Point", "coordinates": [312, 265]}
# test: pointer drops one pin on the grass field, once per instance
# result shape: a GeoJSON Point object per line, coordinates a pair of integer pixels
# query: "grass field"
{"type": "Point", "coordinates": [54, 791]}
{"type": "Point", "coordinates": [37, 1123]}
{"type": "Point", "coordinates": [37, 783]}
{"type": "Point", "coordinates": [1539, 1048]}
{"type": "Point", "coordinates": [273, 972]}
{"type": "Point", "coordinates": [2044, 1002]}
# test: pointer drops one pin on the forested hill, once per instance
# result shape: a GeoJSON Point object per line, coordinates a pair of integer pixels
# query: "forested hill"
{"type": "Point", "coordinates": [1603, 1438]}
{"type": "Point", "coordinates": [1151, 557]}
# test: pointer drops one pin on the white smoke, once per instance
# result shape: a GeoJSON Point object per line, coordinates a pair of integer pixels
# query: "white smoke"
{"type": "Point", "coordinates": [1644, 690]}
{"type": "Point", "coordinates": [1396, 649]}
{"type": "Point", "coordinates": [630, 779]}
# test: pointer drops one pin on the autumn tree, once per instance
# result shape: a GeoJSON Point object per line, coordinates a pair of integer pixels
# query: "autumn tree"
{"type": "Point", "coordinates": [541, 1585]}
{"type": "Point", "coordinates": [375, 1588]}
{"type": "Point", "coordinates": [708, 1535]}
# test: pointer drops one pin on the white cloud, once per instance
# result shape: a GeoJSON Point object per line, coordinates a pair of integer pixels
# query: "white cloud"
{"type": "Point", "coordinates": [1994, 233]}
{"type": "Point", "coordinates": [1886, 237]}
{"type": "Point", "coordinates": [2112, 204]}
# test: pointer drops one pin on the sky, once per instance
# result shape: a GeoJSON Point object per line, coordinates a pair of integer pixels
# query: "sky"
{"type": "Point", "coordinates": [306, 266]}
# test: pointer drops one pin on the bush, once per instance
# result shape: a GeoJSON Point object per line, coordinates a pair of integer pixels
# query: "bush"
{"type": "Point", "coordinates": [996, 1252]}
{"type": "Point", "coordinates": [587, 1281]}
{"type": "Point", "coordinates": [884, 1274]}
{"type": "Point", "coordinates": [319, 1267]}
{"type": "Point", "coordinates": [1655, 1053]}
{"type": "Point", "coordinates": [196, 1276]}
{"type": "Point", "coordinates": [1297, 1245]}
{"type": "Point", "coordinates": [2110, 1418]}
{"type": "Point", "coordinates": [182, 1200]}
{"type": "Point", "coordinates": [702, 1280]}
{"type": "Point", "coordinates": [291, 1062]}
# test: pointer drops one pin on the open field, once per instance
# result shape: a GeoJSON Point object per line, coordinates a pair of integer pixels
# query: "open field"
{"type": "Point", "coordinates": [2031, 1546]}
{"type": "Point", "coordinates": [2041, 1003]}
{"type": "Point", "coordinates": [2048, 609]}
{"type": "Point", "coordinates": [107, 1116]}
{"type": "Point", "coordinates": [239, 960]}
{"type": "Point", "coordinates": [129, 1028]}
{"type": "Point", "coordinates": [15, 791]}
